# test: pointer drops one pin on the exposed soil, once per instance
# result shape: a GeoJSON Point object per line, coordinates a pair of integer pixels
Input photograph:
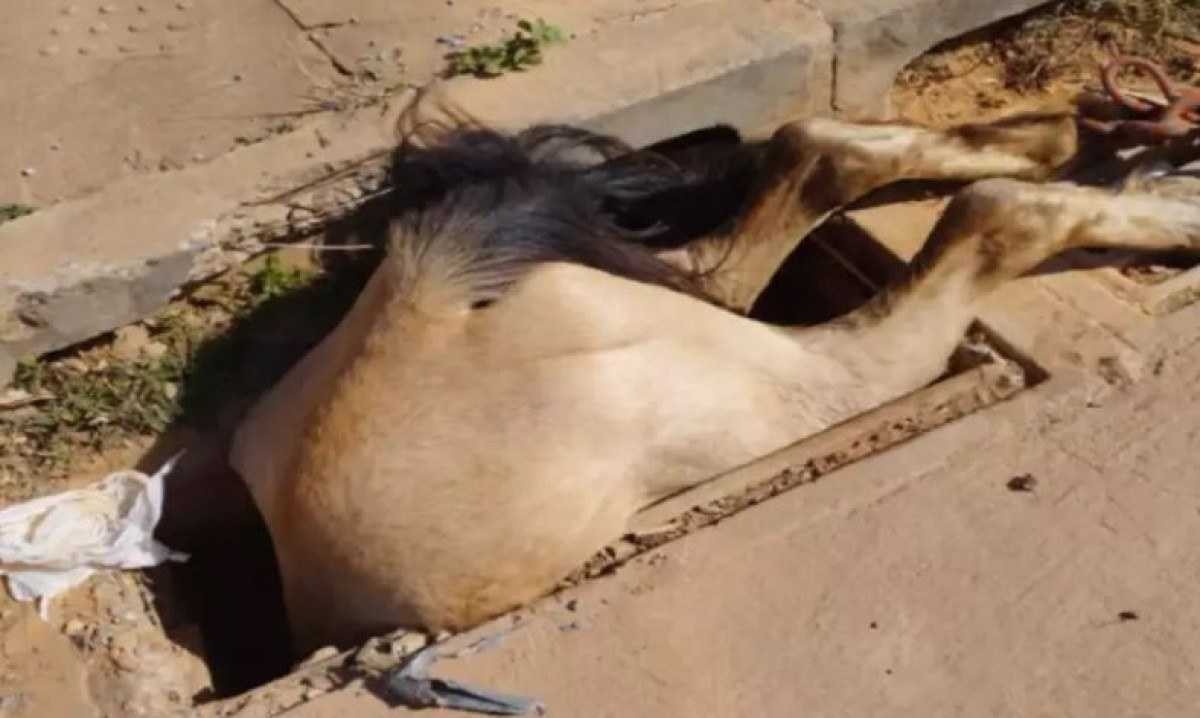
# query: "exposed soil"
{"type": "Point", "coordinates": [139, 644]}
{"type": "Point", "coordinates": [1044, 60]}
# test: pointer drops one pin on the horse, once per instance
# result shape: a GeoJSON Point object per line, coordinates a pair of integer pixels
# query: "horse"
{"type": "Point", "coordinates": [558, 336]}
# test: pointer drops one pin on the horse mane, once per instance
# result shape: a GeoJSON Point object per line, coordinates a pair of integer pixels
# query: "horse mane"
{"type": "Point", "coordinates": [476, 208]}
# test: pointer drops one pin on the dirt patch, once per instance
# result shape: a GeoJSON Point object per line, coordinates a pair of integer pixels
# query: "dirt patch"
{"type": "Point", "coordinates": [182, 367]}
{"type": "Point", "coordinates": [106, 649]}
{"type": "Point", "coordinates": [1044, 59]}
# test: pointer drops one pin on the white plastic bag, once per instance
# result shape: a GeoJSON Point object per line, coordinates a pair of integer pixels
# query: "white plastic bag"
{"type": "Point", "coordinates": [50, 544]}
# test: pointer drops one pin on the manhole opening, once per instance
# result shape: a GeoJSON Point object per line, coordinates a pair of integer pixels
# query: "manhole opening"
{"type": "Point", "coordinates": [225, 604]}
{"type": "Point", "coordinates": [836, 269]}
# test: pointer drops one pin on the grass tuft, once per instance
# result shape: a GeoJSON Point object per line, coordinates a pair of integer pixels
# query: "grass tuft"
{"type": "Point", "coordinates": [515, 53]}
{"type": "Point", "coordinates": [12, 210]}
{"type": "Point", "coordinates": [226, 341]}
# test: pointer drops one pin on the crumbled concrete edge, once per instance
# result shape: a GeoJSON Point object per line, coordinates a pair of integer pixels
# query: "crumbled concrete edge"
{"type": "Point", "coordinates": [80, 300]}
{"type": "Point", "coordinates": [55, 314]}
{"type": "Point", "coordinates": [752, 80]}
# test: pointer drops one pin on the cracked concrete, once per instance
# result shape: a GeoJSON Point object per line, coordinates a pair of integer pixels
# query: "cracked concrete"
{"type": "Point", "coordinates": [98, 91]}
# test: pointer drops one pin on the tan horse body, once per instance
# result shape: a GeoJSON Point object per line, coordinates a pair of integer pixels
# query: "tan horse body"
{"type": "Point", "coordinates": [474, 430]}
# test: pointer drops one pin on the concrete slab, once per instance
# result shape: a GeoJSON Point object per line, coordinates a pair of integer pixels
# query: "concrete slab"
{"type": "Point", "coordinates": [388, 41]}
{"type": "Point", "coordinates": [84, 267]}
{"type": "Point", "coordinates": [752, 66]}
{"type": "Point", "coordinates": [100, 90]}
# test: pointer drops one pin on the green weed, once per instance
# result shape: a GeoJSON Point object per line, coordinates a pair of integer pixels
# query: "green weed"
{"type": "Point", "coordinates": [274, 280]}
{"type": "Point", "coordinates": [226, 341]}
{"type": "Point", "coordinates": [12, 210]}
{"type": "Point", "coordinates": [520, 51]}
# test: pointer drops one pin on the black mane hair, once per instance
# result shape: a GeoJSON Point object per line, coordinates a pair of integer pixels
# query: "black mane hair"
{"type": "Point", "coordinates": [501, 203]}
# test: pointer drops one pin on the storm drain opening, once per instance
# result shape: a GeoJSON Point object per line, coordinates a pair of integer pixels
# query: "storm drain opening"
{"type": "Point", "coordinates": [225, 604]}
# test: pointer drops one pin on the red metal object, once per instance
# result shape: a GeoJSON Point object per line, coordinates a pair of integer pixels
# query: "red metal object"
{"type": "Point", "coordinates": [1155, 123]}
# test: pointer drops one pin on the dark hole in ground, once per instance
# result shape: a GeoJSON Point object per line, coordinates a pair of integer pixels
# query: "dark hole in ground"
{"type": "Point", "coordinates": [1159, 267]}
{"type": "Point", "coordinates": [835, 270]}
{"type": "Point", "coordinates": [231, 588]}
{"type": "Point", "coordinates": [225, 603]}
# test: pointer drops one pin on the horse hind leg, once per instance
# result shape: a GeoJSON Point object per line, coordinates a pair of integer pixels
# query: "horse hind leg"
{"type": "Point", "coordinates": [992, 232]}
{"type": "Point", "coordinates": [810, 169]}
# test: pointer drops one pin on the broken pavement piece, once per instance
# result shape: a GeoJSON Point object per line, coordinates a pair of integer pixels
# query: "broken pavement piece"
{"type": "Point", "coordinates": [53, 543]}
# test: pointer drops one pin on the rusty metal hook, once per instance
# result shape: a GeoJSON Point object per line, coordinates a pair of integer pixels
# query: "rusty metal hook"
{"type": "Point", "coordinates": [1108, 76]}
{"type": "Point", "coordinates": [1177, 116]}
